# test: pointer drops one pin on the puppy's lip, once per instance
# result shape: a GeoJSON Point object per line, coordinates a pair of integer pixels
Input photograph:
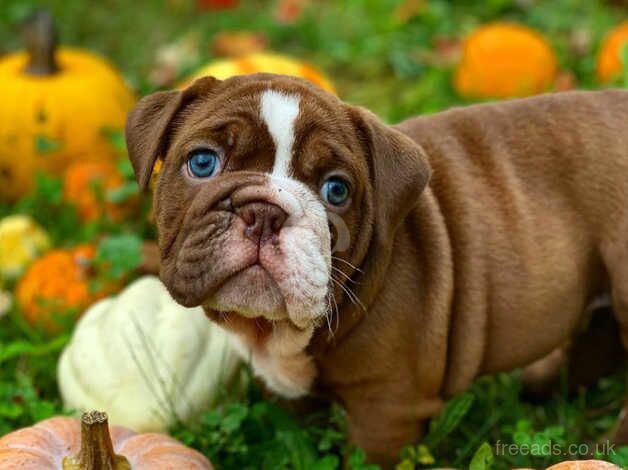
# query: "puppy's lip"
{"type": "Point", "coordinates": [261, 323]}
{"type": "Point", "coordinates": [220, 313]}
{"type": "Point", "coordinates": [256, 330]}
{"type": "Point", "coordinates": [252, 273]}
{"type": "Point", "coordinates": [253, 268]}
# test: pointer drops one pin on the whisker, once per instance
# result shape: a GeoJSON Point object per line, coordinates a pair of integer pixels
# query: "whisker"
{"type": "Point", "coordinates": [355, 296]}
{"type": "Point", "coordinates": [327, 316]}
{"type": "Point", "coordinates": [226, 319]}
{"type": "Point", "coordinates": [352, 296]}
{"type": "Point", "coordinates": [344, 274]}
{"type": "Point", "coordinates": [333, 298]}
{"type": "Point", "coordinates": [347, 289]}
{"type": "Point", "coordinates": [347, 262]}
{"type": "Point", "coordinates": [333, 310]}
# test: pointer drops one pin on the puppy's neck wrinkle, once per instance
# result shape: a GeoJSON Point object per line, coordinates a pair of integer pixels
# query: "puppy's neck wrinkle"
{"type": "Point", "coordinates": [425, 219]}
{"type": "Point", "coordinates": [423, 271]}
{"type": "Point", "coordinates": [466, 338]}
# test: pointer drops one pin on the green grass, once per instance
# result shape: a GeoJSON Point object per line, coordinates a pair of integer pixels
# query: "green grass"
{"type": "Point", "coordinates": [377, 62]}
{"type": "Point", "coordinates": [255, 433]}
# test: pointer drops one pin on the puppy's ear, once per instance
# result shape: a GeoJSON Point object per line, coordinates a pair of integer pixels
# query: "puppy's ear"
{"type": "Point", "coordinates": [148, 123]}
{"type": "Point", "coordinates": [399, 170]}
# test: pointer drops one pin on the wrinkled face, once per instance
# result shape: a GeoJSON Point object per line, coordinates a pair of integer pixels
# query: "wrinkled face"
{"type": "Point", "coordinates": [260, 200]}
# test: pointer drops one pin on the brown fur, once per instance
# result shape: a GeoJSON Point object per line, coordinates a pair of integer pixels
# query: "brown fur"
{"type": "Point", "coordinates": [488, 268]}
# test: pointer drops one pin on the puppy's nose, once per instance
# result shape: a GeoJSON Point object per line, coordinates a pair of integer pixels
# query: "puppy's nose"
{"type": "Point", "coordinates": [263, 220]}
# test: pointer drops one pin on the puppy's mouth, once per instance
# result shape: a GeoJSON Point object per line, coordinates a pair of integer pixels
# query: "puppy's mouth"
{"type": "Point", "coordinates": [252, 292]}
{"type": "Point", "coordinates": [255, 331]}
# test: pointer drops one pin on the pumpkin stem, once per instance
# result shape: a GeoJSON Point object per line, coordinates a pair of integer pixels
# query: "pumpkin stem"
{"type": "Point", "coordinates": [40, 35]}
{"type": "Point", "coordinates": [96, 447]}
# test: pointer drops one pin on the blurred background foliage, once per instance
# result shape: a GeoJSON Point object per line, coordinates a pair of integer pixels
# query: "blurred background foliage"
{"type": "Point", "coordinates": [396, 62]}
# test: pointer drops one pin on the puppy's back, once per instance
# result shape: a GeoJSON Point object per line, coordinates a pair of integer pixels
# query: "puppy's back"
{"type": "Point", "coordinates": [570, 145]}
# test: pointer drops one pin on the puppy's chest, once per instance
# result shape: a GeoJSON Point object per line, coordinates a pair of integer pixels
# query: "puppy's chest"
{"type": "Point", "coordinates": [280, 359]}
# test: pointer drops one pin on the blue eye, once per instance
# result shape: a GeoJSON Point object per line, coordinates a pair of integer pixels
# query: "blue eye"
{"type": "Point", "coordinates": [203, 163]}
{"type": "Point", "coordinates": [335, 191]}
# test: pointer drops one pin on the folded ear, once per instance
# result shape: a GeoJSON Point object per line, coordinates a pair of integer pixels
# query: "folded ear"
{"type": "Point", "coordinates": [148, 123]}
{"type": "Point", "coordinates": [399, 170]}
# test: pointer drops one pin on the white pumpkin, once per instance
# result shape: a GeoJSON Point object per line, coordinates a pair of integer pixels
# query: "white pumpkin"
{"type": "Point", "coordinates": [146, 360]}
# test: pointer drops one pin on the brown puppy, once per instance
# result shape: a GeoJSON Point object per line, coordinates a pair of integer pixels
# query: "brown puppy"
{"type": "Point", "coordinates": [307, 227]}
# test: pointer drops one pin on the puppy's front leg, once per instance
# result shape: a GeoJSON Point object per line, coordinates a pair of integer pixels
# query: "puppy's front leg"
{"type": "Point", "coordinates": [382, 423]}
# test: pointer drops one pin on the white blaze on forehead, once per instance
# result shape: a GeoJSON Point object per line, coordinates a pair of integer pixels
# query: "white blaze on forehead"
{"type": "Point", "coordinates": [279, 111]}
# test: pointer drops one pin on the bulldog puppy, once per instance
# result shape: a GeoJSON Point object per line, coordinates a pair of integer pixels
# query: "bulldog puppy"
{"type": "Point", "coordinates": [307, 227]}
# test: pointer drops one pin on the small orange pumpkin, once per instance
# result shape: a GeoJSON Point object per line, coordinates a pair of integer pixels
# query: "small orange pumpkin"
{"type": "Point", "coordinates": [580, 465]}
{"type": "Point", "coordinates": [584, 465]}
{"type": "Point", "coordinates": [58, 284]}
{"type": "Point", "coordinates": [609, 60]}
{"type": "Point", "coordinates": [64, 443]}
{"type": "Point", "coordinates": [86, 184]}
{"type": "Point", "coordinates": [502, 60]}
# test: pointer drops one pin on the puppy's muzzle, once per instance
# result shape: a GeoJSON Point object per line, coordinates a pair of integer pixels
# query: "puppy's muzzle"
{"type": "Point", "coordinates": [228, 223]}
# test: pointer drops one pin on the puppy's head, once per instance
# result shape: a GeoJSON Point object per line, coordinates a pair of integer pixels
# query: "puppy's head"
{"type": "Point", "coordinates": [262, 176]}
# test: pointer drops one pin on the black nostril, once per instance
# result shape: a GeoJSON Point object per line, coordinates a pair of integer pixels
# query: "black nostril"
{"type": "Point", "coordinates": [249, 217]}
{"type": "Point", "coordinates": [276, 223]}
{"type": "Point", "coordinates": [275, 218]}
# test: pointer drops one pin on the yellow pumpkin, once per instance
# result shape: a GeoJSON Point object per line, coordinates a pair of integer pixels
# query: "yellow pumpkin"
{"type": "Point", "coordinates": [609, 61]}
{"type": "Point", "coordinates": [503, 60]}
{"type": "Point", "coordinates": [21, 241]}
{"type": "Point", "coordinates": [262, 62]}
{"type": "Point", "coordinates": [57, 106]}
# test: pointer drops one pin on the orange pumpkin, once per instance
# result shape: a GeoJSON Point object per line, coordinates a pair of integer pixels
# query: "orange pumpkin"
{"type": "Point", "coordinates": [609, 61]}
{"type": "Point", "coordinates": [580, 465]}
{"type": "Point", "coordinates": [58, 284]}
{"type": "Point", "coordinates": [502, 60]}
{"type": "Point", "coordinates": [86, 185]}
{"type": "Point", "coordinates": [67, 444]}
{"type": "Point", "coordinates": [584, 465]}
